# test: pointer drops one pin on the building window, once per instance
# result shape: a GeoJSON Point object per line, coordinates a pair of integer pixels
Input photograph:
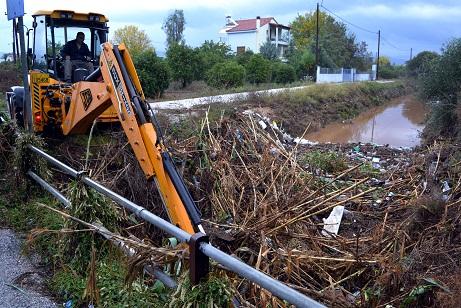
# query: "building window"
{"type": "Point", "coordinates": [240, 50]}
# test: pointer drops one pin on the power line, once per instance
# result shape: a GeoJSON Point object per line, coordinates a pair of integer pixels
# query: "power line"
{"type": "Point", "coordinates": [393, 46]}
{"type": "Point", "coordinates": [350, 23]}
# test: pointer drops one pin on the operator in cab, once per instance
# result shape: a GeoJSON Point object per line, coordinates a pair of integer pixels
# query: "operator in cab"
{"type": "Point", "coordinates": [76, 54]}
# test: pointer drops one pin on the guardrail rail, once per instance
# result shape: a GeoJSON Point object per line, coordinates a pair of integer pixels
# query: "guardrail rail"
{"type": "Point", "coordinates": [200, 250]}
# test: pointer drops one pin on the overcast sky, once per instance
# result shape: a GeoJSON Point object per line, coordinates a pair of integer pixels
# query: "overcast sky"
{"type": "Point", "coordinates": [421, 25]}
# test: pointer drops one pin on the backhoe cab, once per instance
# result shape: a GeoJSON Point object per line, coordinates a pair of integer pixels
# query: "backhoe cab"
{"type": "Point", "coordinates": [50, 31]}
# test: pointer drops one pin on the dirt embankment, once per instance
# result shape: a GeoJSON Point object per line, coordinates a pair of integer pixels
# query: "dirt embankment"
{"type": "Point", "coordinates": [313, 106]}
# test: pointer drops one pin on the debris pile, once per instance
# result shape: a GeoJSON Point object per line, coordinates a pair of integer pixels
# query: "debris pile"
{"type": "Point", "coordinates": [379, 228]}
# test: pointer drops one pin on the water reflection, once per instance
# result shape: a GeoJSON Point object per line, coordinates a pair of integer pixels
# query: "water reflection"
{"type": "Point", "coordinates": [397, 123]}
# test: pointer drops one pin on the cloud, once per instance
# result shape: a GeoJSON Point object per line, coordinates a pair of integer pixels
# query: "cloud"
{"type": "Point", "coordinates": [420, 11]}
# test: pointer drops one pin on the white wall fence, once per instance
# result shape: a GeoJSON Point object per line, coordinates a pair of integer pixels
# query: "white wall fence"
{"type": "Point", "coordinates": [328, 75]}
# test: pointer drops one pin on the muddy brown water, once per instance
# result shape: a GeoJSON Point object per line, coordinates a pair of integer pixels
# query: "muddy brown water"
{"type": "Point", "coordinates": [397, 123]}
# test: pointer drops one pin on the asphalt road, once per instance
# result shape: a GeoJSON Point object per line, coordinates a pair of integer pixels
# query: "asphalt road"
{"type": "Point", "coordinates": [21, 284]}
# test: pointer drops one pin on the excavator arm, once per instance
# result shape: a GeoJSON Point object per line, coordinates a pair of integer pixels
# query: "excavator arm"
{"type": "Point", "coordinates": [116, 83]}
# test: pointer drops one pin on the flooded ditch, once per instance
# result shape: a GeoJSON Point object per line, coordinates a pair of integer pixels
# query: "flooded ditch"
{"type": "Point", "coordinates": [397, 123]}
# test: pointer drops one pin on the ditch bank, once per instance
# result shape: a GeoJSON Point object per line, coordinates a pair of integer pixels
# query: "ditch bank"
{"type": "Point", "coordinates": [295, 109]}
{"type": "Point", "coordinates": [316, 106]}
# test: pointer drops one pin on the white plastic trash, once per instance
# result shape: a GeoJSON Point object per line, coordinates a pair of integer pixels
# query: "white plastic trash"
{"type": "Point", "coordinates": [332, 223]}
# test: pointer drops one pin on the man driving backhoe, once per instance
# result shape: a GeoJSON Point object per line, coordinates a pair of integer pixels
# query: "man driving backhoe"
{"type": "Point", "coordinates": [76, 54]}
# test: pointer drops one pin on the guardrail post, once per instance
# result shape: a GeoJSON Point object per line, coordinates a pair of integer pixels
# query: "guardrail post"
{"type": "Point", "coordinates": [199, 263]}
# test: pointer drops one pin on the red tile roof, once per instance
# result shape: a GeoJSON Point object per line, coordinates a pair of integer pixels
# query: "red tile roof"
{"type": "Point", "coordinates": [249, 24]}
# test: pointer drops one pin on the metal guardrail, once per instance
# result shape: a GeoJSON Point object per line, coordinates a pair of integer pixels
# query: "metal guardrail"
{"type": "Point", "coordinates": [276, 287]}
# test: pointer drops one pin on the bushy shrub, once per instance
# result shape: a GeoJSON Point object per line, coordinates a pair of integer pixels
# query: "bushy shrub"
{"type": "Point", "coordinates": [244, 58]}
{"type": "Point", "coordinates": [258, 69]}
{"type": "Point", "coordinates": [416, 65]}
{"type": "Point", "coordinates": [391, 71]}
{"type": "Point", "coordinates": [283, 73]}
{"type": "Point", "coordinates": [153, 73]}
{"type": "Point", "coordinates": [226, 75]}
{"type": "Point", "coordinates": [208, 55]}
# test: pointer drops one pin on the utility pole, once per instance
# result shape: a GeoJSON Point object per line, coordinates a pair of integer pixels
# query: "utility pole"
{"type": "Point", "coordinates": [377, 61]}
{"type": "Point", "coordinates": [317, 41]}
{"type": "Point", "coordinates": [411, 53]}
{"type": "Point", "coordinates": [15, 9]}
{"type": "Point", "coordinates": [14, 40]}
{"type": "Point", "coordinates": [28, 120]}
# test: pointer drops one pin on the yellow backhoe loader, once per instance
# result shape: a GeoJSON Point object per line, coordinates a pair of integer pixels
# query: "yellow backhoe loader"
{"type": "Point", "coordinates": [112, 90]}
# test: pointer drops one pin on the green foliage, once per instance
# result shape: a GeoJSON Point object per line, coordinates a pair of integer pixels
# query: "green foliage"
{"type": "Point", "coordinates": [421, 292]}
{"type": "Point", "coordinates": [442, 120]}
{"type": "Point", "coordinates": [24, 160]}
{"type": "Point", "coordinates": [208, 55]}
{"type": "Point", "coordinates": [338, 47]}
{"type": "Point", "coordinates": [329, 162]}
{"type": "Point", "coordinates": [258, 69]}
{"type": "Point", "coordinates": [391, 71]}
{"type": "Point", "coordinates": [244, 58]}
{"type": "Point", "coordinates": [174, 27]}
{"type": "Point", "coordinates": [442, 78]}
{"type": "Point", "coordinates": [226, 75]}
{"type": "Point", "coordinates": [153, 73]}
{"type": "Point", "coordinates": [283, 73]}
{"type": "Point", "coordinates": [362, 59]}
{"type": "Point", "coordinates": [114, 293]}
{"type": "Point", "coordinates": [388, 70]}
{"type": "Point", "coordinates": [269, 51]}
{"type": "Point", "coordinates": [136, 40]}
{"type": "Point", "coordinates": [368, 170]}
{"type": "Point", "coordinates": [418, 64]}
{"type": "Point", "coordinates": [384, 61]}
{"type": "Point", "coordinates": [441, 83]}
{"type": "Point", "coordinates": [215, 292]}
{"type": "Point", "coordinates": [110, 276]}
{"type": "Point", "coordinates": [302, 60]}
{"type": "Point", "coordinates": [90, 206]}
{"type": "Point", "coordinates": [182, 61]}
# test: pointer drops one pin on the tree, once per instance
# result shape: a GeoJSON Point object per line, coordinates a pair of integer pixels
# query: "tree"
{"type": "Point", "coordinates": [416, 65]}
{"type": "Point", "coordinates": [226, 75]}
{"type": "Point", "coordinates": [137, 41]}
{"type": "Point", "coordinates": [269, 50]}
{"type": "Point", "coordinates": [384, 61]}
{"type": "Point", "coordinates": [440, 80]}
{"type": "Point", "coordinates": [362, 58]}
{"type": "Point", "coordinates": [258, 69]}
{"type": "Point", "coordinates": [174, 27]}
{"type": "Point", "coordinates": [338, 48]}
{"type": "Point", "coordinates": [182, 61]}
{"type": "Point", "coordinates": [244, 58]}
{"type": "Point", "coordinates": [209, 54]}
{"type": "Point", "coordinates": [302, 60]}
{"type": "Point", "coordinates": [153, 73]}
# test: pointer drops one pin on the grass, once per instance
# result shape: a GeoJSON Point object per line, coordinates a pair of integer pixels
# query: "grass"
{"type": "Point", "coordinates": [200, 89]}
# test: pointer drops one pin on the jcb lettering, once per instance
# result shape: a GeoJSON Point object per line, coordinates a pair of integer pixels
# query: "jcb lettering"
{"type": "Point", "coordinates": [40, 78]}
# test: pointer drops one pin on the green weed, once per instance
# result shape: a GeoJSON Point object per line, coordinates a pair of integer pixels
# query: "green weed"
{"type": "Point", "coordinates": [329, 162]}
{"type": "Point", "coordinates": [215, 292]}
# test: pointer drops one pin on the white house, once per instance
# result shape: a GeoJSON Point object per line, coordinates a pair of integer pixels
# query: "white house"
{"type": "Point", "coordinates": [250, 34]}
